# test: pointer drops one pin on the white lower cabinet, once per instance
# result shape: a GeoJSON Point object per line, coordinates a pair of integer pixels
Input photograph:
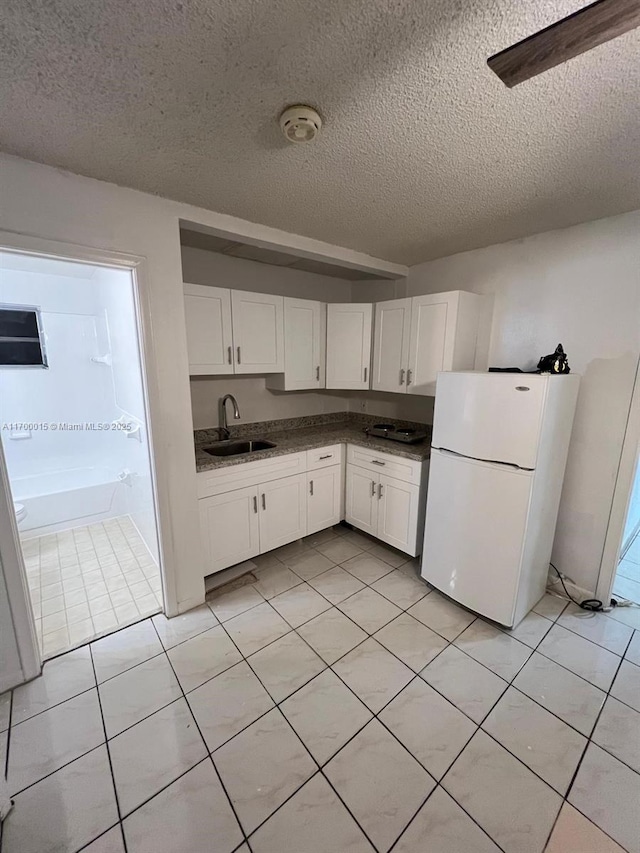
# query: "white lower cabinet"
{"type": "Point", "coordinates": [282, 511]}
{"type": "Point", "coordinates": [389, 509]}
{"type": "Point", "coordinates": [398, 509]}
{"type": "Point", "coordinates": [252, 508]}
{"type": "Point", "coordinates": [324, 498]}
{"type": "Point", "coordinates": [230, 528]}
{"type": "Point", "coordinates": [361, 507]}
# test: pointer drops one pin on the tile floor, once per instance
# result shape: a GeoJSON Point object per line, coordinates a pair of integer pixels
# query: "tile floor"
{"type": "Point", "coordinates": [627, 580]}
{"type": "Point", "coordinates": [88, 581]}
{"type": "Point", "coordinates": [332, 707]}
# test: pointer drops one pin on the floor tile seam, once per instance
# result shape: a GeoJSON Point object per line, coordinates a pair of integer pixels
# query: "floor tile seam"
{"type": "Point", "coordinates": [511, 683]}
{"type": "Point", "coordinates": [5, 769]}
{"type": "Point", "coordinates": [319, 771]}
{"type": "Point", "coordinates": [61, 767]}
{"type": "Point", "coordinates": [539, 705]}
{"type": "Point", "coordinates": [97, 837]}
{"type": "Point", "coordinates": [106, 744]}
{"type": "Point", "coordinates": [566, 668]}
{"type": "Point", "coordinates": [197, 725]}
{"type": "Point", "coordinates": [458, 754]}
{"type": "Point", "coordinates": [133, 666]}
{"type": "Point", "coordinates": [51, 707]}
{"type": "Point", "coordinates": [593, 642]}
{"type": "Point", "coordinates": [206, 757]}
{"type": "Point", "coordinates": [586, 817]}
{"type": "Point", "coordinates": [395, 603]}
{"type": "Point", "coordinates": [597, 720]}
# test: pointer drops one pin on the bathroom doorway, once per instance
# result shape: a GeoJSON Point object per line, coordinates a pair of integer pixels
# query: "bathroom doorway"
{"type": "Point", "coordinates": [75, 436]}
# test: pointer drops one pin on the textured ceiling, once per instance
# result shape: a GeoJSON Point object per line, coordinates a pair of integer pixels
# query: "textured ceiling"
{"type": "Point", "coordinates": [424, 152]}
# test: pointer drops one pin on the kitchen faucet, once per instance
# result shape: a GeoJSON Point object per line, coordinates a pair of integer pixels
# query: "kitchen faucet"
{"type": "Point", "coordinates": [223, 429]}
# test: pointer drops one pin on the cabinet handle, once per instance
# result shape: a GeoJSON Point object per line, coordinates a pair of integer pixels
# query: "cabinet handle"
{"type": "Point", "coordinates": [229, 356]}
{"type": "Point", "coordinates": [377, 462]}
{"type": "Point", "coordinates": [408, 377]}
{"type": "Point", "coordinates": [264, 501]}
{"type": "Point", "coordinates": [373, 488]}
{"type": "Point", "coordinates": [239, 360]}
{"type": "Point", "coordinates": [318, 373]}
{"type": "Point", "coordinates": [310, 487]}
{"type": "Point", "coordinates": [326, 456]}
{"type": "Point", "coordinates": [365, 374]}
{"type": "Point", "coordinates": [379, 491]}
{"type": "Point", "coordinates": [255, 504]}
{"type": "Point", "coordinates": [402, 372]}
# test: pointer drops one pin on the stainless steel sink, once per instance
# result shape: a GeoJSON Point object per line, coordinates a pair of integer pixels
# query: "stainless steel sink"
{"type": "Point", "coordinates": [235, 448]}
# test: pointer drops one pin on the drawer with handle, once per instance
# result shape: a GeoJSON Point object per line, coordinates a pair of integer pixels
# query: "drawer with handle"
{"type": "Point", "coordinates": [323, 457]}
{"type": "Point", "coordinates": [407, 470]}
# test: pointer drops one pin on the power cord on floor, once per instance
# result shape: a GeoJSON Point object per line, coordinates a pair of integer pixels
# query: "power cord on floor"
{"type": "Point", "coordinates": [593, 604]}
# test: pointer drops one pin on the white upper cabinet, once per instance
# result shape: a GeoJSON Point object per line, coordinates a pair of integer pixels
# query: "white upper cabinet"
{"type": "Point", "coordinates": [416, 338]}
{"type": "Point", "coordinates": [305, 335]}
{"type": "Point", "coordinates": [209, 331]}
{"type": "Point", "coordinates": [444, 331]}
{"type": "Point", "coordinates": [348, 345]}
{"type": "Point", "coordinates": [391, 345]}
{"type": "Point", "coordinates": [258, 332]}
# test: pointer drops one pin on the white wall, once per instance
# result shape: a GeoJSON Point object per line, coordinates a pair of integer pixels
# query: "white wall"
{"type": "Point", "coordinates": [256, 402]}
{"type": "Point", "coordinates": [116, 301]}
{"type": "Point", "coordinates": [579, 286]}
{"type": "Point", "coordinates": [203, 267]}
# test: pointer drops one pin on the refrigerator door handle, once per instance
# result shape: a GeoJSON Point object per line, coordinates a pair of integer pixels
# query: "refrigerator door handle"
{"type": "Point", "coordinates": [446, 452]}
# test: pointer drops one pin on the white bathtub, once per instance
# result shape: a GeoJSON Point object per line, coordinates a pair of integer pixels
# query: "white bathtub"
{"type": "Point", "coordinates": [59, 500]}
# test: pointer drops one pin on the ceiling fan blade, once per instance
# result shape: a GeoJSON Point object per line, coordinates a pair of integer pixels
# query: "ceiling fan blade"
{"type": "Point", "coordinates": [573, 35]}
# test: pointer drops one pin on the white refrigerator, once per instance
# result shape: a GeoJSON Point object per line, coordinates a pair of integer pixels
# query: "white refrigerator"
{"type": "Point", "coordinates": [499, 450]}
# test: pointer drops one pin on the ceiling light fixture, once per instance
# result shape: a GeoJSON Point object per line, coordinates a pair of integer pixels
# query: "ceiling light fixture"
{"type": "Point", "coordinates": [300, 124]}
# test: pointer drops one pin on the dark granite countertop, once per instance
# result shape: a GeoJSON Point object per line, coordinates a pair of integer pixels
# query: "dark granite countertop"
{"type": "Point", "coordinates": [296, 434]}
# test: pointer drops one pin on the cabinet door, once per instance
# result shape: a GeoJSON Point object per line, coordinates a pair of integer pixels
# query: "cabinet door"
{"type": "Point", "coordinates": [361, 505]}
{"type": "Point", "coordinates": [209, 339]}
{"type": "Point", "coordinates": [391, 345]}
{"type": "Point", "coordinates": [398, 505]}
{"type": "Point", "coordinates": [305, 333]}
{"type": "Point", "coordinates": [257, 332]}
{"type": "Point", "coordinates": [324, 498]}
{"type": "Point", "coordinates": [348, 345]}
{"type": "Point", "coordinates": [283, 511]}
{"type": "Point", "coordinates": [429, 317]}
{"type": "Point", "coordinates": [229, 528]}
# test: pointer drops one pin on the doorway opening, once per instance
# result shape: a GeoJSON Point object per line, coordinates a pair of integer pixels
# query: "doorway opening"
{"type": "Point", "coordinates": [626, 583]}
{"type": "Point", "coordinates": [75, 437]}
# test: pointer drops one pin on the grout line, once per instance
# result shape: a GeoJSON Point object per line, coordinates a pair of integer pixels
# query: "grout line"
{"type": "Point", "coordinates": [106, 744]}
{"type": "Point", "coordinates": [184, 696]}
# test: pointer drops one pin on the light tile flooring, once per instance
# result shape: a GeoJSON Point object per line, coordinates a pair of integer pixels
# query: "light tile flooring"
{"type": "Point", "coordinates": [627, 580]}
{"type": "Point", "coordinates": [89, 580]}
{"type": "Point", "coordinates": [337, 704]}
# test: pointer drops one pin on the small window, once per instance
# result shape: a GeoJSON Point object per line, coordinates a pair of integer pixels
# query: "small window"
{"type": "Point", "coordinates": [21, 336]}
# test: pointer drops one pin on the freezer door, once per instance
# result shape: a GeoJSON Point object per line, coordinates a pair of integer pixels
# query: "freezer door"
{"type": "Point", "coordinates": [492, 416]}
{"type": "Point", "coordinates": [475, 532]}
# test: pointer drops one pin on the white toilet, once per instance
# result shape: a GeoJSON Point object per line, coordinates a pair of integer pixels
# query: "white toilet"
{"type": "Point", "coordinates": [21, 512]}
